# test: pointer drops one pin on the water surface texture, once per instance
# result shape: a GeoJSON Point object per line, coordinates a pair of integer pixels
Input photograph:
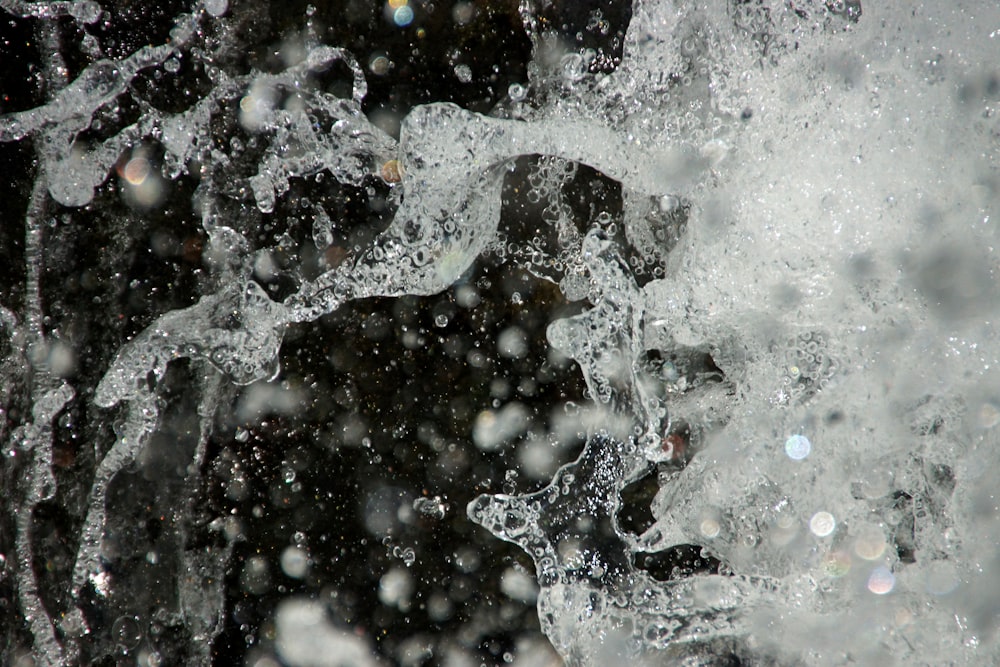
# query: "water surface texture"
{"type": "Point", "coordinates": [482, 333]}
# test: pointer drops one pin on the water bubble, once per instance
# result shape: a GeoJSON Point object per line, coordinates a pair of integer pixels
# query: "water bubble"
{"type": "Point", "coordinates": [126, 632]}
{"type": "Point", "coordinates": [512, 343]}
{"type": "Point", "coordinates": [573, 67]}
{"type": "Point", "coordinates": [322, 229]}
{"type": "Point", "coordinates": [463, 12]}
{"type": "Point", "coordinates": [255, 577]}
{"type": "Point", "coordinates": [517, 585]}
{"type": "Point", "coordinates": [150, 658]}
{"type": "Point", "coordinates": [263, 192]}
{"type": "Point", "coordinates": [492, 429]}
{"type": "Point", "coordinates": [405, 554]}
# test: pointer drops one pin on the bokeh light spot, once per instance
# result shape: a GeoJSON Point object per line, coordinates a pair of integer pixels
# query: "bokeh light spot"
{"type": "Point", "coordinates": [837, 563]}
{"type": "Point", "coordinates": [798, 447]}
{"type": "Point", "coordinates": [379, 64]}
{"type": "Point", "coordinates": [403, 16]}
{"type": "Point", "coordinates": [881, 581]}
{"type": "Point", "coordinates": [822, 524]}
{"type": "Point", "coordinates": [870, 543]}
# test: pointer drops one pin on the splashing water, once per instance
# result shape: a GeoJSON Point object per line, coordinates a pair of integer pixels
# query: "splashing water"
{"type": "Point", "coordinates": [786, 335]}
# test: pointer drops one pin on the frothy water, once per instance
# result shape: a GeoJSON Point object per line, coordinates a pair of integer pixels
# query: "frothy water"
{"type": "Point", "coordinates": [787, 337]}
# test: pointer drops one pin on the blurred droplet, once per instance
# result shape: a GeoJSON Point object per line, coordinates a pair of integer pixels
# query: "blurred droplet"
{"type": "Point", "coordinates": [294, 562]}
{"type": "Point", "coordinates": [798, 447]}
{"type": "Point", "coordinates": [881, 581]}
{"type": "Point", "coordinates": [870, 542]}
{"type": "Point", "coordinates": [822, 524]}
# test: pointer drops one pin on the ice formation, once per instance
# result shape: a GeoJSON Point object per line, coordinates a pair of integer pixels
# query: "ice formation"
{"type": "Point", "coordinates": [789, 337]}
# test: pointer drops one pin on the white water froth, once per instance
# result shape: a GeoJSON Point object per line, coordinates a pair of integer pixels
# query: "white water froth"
{"type": "Point", "coordinates": [838, 170]}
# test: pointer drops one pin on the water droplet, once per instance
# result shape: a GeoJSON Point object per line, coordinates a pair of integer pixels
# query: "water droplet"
{"type": "Point", "coordinates": [463, 73]}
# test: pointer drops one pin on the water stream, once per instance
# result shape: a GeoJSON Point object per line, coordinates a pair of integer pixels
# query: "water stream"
{"type": "Point", "coordinates": [698, 313]}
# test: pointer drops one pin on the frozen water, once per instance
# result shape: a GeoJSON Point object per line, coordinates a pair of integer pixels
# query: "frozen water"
{"type": "Point", "coordinates": [782, 308]}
